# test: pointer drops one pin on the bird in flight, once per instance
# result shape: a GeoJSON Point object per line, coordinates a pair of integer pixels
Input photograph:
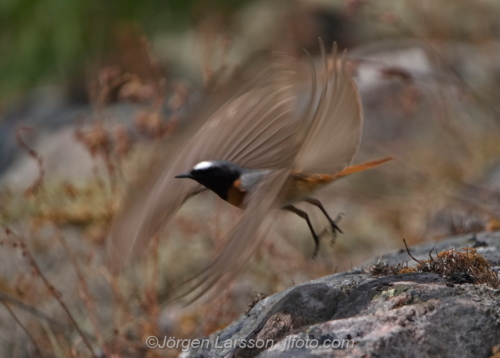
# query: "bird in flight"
{"type": "Point", "coordinates": [232, 183]}
{"type": "Point", "coordinates": [268, 138]}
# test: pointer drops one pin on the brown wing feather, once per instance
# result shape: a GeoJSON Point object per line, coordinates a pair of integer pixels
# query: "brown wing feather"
{"type": "Point", "coordinates": [335, 132]}
{"type": "Point", "coordinates": [255, 112]}
{"type": "Point", "coordinates": [256, 126]}
{"type": "Point", "coordinates": [244, 238]}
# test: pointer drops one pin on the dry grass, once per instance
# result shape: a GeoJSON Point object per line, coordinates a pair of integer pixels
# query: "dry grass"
{"type": "Point", "coordinates": [456, 266]}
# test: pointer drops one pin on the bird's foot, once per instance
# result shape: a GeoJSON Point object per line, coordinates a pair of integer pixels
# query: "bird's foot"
{"type": "Point", "coordinates": [335, 228]}
{"type": "Point", "coordinates": [316, 241]}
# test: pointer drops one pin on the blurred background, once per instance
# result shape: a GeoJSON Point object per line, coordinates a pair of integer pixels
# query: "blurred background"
{"type": "Point", "coordinates": [89, 90]}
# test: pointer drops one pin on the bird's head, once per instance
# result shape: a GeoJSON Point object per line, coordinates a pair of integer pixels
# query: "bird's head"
{"type": "Point", "coordinates": [216, 175]}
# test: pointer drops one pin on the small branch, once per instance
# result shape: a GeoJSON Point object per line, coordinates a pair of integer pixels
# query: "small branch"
{"type": "Point", "coordinates": [86, 297]}
{"type": "Point", "coordinates": [34, 311]}
{"type": "Point", "coordinates": [35, 187]}
{"type": "Point", "coordinates": [31, 260]}
{"type": "Point", "coordinates": [430, 254]}
{"type": "Point", "coordinates": [409, 253]}
{"type": "Point", "coordinates": [37, 350]}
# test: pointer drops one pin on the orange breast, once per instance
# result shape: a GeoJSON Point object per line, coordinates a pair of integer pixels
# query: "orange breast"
{"type": "Point", "coordinates": [236, 194]}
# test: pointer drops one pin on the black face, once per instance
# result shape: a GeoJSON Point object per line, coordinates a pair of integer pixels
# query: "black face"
{"type": "Point", "coordinates": [216, 175]}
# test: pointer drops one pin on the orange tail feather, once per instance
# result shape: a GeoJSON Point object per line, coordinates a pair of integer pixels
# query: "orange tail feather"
{"type": "Point", "coordinates": [361, 167]}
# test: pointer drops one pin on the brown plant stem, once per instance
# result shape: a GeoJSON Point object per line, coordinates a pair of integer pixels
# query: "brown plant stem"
{"type": "Point", "coordinates": [18, 321]}
{"type": "Point", "coordinates": [86, 297]}
{"type": "Point", "coordinates": [31, 260]}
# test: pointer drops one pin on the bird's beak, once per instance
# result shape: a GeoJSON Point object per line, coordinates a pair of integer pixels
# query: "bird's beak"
{"type": "Point", "coordinates": [186, 175]}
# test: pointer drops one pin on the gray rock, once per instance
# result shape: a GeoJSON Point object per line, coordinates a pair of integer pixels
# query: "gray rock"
{"type": "Point", "coordinates": [356, 315]}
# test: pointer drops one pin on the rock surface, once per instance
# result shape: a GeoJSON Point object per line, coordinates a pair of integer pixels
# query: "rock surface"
{"type": "Point", "coordinates": [357, 315]}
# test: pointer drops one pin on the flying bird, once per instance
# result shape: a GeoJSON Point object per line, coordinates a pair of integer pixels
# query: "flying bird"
{"type": "Point", "coordinates": [232, 183]}
{"type": "Point", "coordinates": [267, 139]}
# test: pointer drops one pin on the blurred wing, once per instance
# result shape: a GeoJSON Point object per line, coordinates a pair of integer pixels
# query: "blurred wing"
{"type": "Point", "coordinates": [330, 128]}
{"type": "Point", "coordinates": [148, 205]}
{"type": "Point", "coordinates": [248, 233]}
{"type": "Point", "coordinates": [335, 132]}
{"type": "Point", "coordinates": [244, 239]}
{"type": "Point", "coordinates": [252, 123]}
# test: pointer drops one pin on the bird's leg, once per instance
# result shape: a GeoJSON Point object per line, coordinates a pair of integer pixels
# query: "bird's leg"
{"type": "Point", "coordinates": [334, 225]}
{"type": "Point", "coordinates": [304, 215]}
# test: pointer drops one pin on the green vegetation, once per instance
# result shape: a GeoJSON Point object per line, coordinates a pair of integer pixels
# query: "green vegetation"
{"type": "Point", "coordinates": [54, 39]}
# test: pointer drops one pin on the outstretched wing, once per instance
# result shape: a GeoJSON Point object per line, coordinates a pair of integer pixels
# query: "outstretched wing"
{"type": "Point", "coordinates": [252, 122]}
{"type": "Point", "coordinates": [335, 132]}
{"type": "Point", "coordinates": [255, 124]}
{"type": "Point", "coordinates": [244, 239]}
{"type": "Point", "coordinates": [315, 127]}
